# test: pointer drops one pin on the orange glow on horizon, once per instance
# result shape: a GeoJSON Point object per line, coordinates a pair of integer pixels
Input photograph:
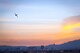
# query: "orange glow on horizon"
{"type": "Point", "coordinates": [71, 26]}
{"type": "Point", "coordinates": [23, 34]}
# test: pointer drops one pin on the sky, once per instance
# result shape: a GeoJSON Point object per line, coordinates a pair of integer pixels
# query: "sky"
{"type": "Point", "coordinates": [39, 22]}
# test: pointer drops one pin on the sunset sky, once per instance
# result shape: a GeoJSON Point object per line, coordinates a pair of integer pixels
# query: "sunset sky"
{"type": "Point", "coordinates": [39, 22]}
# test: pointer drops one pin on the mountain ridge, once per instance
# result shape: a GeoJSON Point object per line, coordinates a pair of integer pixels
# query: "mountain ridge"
{"type": "Point", "coordinates": [71, 45]}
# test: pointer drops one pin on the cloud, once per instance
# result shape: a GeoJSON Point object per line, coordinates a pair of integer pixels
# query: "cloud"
{"type": "Point", "coordinates": [71, 24]}
{"type": "Point", "coordinates": [72, 20]}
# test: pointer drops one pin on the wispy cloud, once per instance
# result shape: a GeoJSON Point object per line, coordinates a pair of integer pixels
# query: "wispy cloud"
{"type": "Point", "coordinates": [7, 20]}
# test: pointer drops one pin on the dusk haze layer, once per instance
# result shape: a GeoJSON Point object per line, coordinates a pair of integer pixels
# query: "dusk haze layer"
{"type": "Point", "coordinates": [39, 22]}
